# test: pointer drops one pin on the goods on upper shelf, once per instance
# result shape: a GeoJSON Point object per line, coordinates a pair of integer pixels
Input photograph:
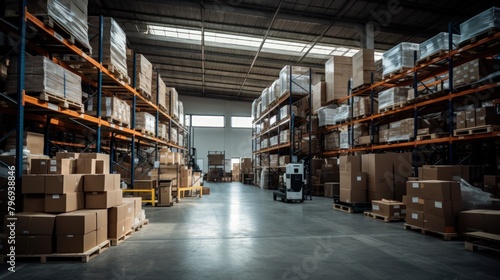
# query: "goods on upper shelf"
{"type": "Point", "coordinates": [363, 65]}
{"type": "Point", "coordinates": [474, 70]}
{"type": "Point", "coordinates": [391, 97]}
{"type": "Point", "coordinates": [145, 84]}
{"type": "Point", "coordinates": [112, 108]}
{"type": "Point", "coordinates": [174, 97]}
{"type": "Point", "coordinates": [114, 46]}
{"type": "Point", "coordinates": [159, 94]}
{"type": "Point", "coordinates": [295, 76]}
{"type": "Point", "coordinates": [180, 105]}
{"type": "Point", "coordinates": [174, 135]}
{"type": "Point", "coordinates": [479, 24]}
{"type": "Point", "coordinates": [70, 15]}
{"type": "Point", "coordinates": [437, 44]}
{"type": "Point", "coordinates": [318, 96]}
{"type": "Point", "coordinates": [338, 71]}
{"type": "Point", "coordinates": [42, 76]}
{"type": "Point", "coordinates": [145, 122]}
{"type": "Point", "coordinates": [399, 57]}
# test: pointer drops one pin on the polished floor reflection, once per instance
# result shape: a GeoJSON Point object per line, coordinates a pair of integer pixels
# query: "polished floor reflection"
{"type": "Point", "coordinates": [239, 232]}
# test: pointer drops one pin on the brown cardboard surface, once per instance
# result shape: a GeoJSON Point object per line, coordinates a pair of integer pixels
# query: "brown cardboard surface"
{"type": "Point", "coordinates": [413, 188]}
{"type": "Point", "coordinates": [101, 216]}
{"type": "Point", "coordinates": [118, 196]}
{"type": "Point", "coordinates": [442, 208]}
{"type": "Point", "coordinates": [34, 203]}
{"type": "Point", "coordinates": [33, 223]}
{"type": "Point", "coordinates": [100, 200]}
{"type": "Point", "coordinates": [471, 220]}
{"type": "Point", "coordinates": [440, 190]}
{"type": "Point", "coordinates": [415, 218]}
{"type": "Point", "coordinates": [379, 168]}
{"type": "Point", "coordinates": [85, 166]}
{"type": "Point", "coordinates": [461, 120]}
{"type": "Point", "coordinates": [67, 155]}
{"type": "Point", "coordinates": [354, 160]}
{"type": "Point", "coordinates": [33, 184]}
{"type": "Point", "coordinates": [439, 224]}
{"type": "Point", "coordinates": [492, 221]}
{"type": "Point", "coordinates": [101, 234]}
{"type": "Point", "coordinates": [76, 243]}
{"type": "Point", "coordinates": [35, 143]}
{"type": "Point", "coordinates": [62, 184]}
{"type": "Point", "coordinates": [355, 181]}
{"type": "Point", "coordinates": [487, 116]}
{"type": "Point", "coordinates": [350, 196]}
{"type": "Point", "coordinates": [40, 166]}
{"type": "Point", "coordinates": [442, 172]}
{"type": "Point", "coordinates": [470, 116]}
{"type": "Point", "coordinates": [31, 245]}
{"type": "Point", "coordinates": [117, 213]}
{"type": "Point", "coordinates": [116, 230]}
{"type": "Point", "coordinates": [64, 166]}
{"type": "Point", "coordinates": [61, 203]}
{"type": "Point", "coordinates": [415, 203]}
{"type": "Point", "coordinates": [98, 182]}
{"type": "Point", "coordinates": [137, 203]}
{"type": "Point", "coordinates": [76, 222]}
{"type": "Point", "coordinates": [388, 208]}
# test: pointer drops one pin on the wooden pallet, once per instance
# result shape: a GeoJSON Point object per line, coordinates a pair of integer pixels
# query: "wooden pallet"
{"type": "Point", "coordinates": [383, 218]}
{"type": "Point", "coordinates": [63, 257]}
{"type": "Point", "coordinates": [445, 236]}
{"type": "Point", "coordinates": [144, 93]}
{"type": "Point", "coordinates": [361, 87]}
{"type": "Point", "coordinates": [117, 122]}
{"type": "Point", "coordinates": [431, 136]}
{"type": "Point", "coordinates": [393, 107]}
{"type": "Point", "coordinates": [118, 241]}
{"type": "Point", "coordinates": [489, 32]}
{"type": "Point", "coordinates": [117, 73]}
{"type": "Point", "coordinates": [61, 102]}
{"type": "Point", "coordinates": [351, 207]}
{"type": "Point", "coordinates": [476, 130]}
{"type": "Point", "coordinates": [146, 132]}
{"type": "Point", "coordinates": [396, 72]}
{"type": "Point", "coordinates": [482, 240]}
{"type": "Point", "coordinates": [143, 223]}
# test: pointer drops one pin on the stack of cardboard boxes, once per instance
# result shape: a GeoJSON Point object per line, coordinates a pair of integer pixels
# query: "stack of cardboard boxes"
{"type": "Point", "coordinates": [492, 185]}
{"type": "Point", "coordinates": [66, 204]}
{"type": "Point", "coordinates": [477, 117]}
{"type": "Point", "coordinates": [338, 71]}
{"type": "Point", "coordinates": [353, 182]}
{"type": "Point", "coordinates": [389, 208]}
{"type": "Point", "coordinates": [363, 65]}
{"type": "Point", "coordinates": [318, 96]}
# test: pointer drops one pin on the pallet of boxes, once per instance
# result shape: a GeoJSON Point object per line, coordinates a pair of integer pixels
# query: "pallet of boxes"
{"type": "Point", "coordinates": [73, 209]}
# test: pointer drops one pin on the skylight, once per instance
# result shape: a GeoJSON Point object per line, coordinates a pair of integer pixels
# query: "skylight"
{"type": "Point", "coordinates": [271, 45]}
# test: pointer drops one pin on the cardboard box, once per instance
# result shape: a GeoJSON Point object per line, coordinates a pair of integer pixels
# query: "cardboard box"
{"type": "Point", "coordinates": [440, 190]}
{"type": "Point", "coordinates": [379, 168]}
{"type": "Point", "coordinates": [206, 191]}
{"type": "Point", "coordinates": [35, 143]}
{"type": "Point", "coordinates": [117, 213]}
{"type": "Point", "coordinates": [355, 163]}
{"type": "Point", "coordinates": [104, 166]}
{"type": "Point", "coordinates": [355, 181]}
{"type": "Point", "coordinates": [62, 184]}
{"type": "Point", "coordinates": [388, 208]}
{"type": "Point", "coordinates": [77, 222]}
{"type": "Point", "coordinates": [99, 182]}
{"type": "Point", "coordinates": [318, 96]}
{"type": "Point", "coordinates": [33, 184]}
{"type": "Point", "coordinates": [486, 116]}
{"type": "Point", "coordinates": [352, 196]}
{"type": "Point", "coordinates": [118, 196]}
{"type": "Point", "coordinates": [101, 235]}
{"type": "Point", "coordinates": [116, 230]}
{"type": "Point", "coordinates": [442, 208]}
{"type": "Point", "coordinates": [34, 245]}
{"type": "Point", "coordinates": [40, 166]}
{"type": "Point", "coordinates": [413, 188]}
{"type": "Point", "coordinates": [470, 118]}
{"type": "Point", "coordinates": [137, 204]}
{"type": "Point", "coordinates": [472, 220]}
{"type": "Point", "coordinates": [33, 223]}
{"type": "Point", "coordinates": [86, 166]}
{"type": "Point", "coordinates": [461, 120]}
{"type": "Point", "coordinates": [338, 71]}
{"type": "Point", "coordinates": [62, 203]}
{"type": "Point", "coordinates": [101, 216]}
{"type": "Point", "coordinates": [492, 221]}
{"type": "Point", "coordinates": [34, 203]}
{"type": "Point", "coordinates": [414, 203]}
{"type": "Point", "coordinates": [71, 243]}
{"type": "Point", "coordinates": [100, 200]}
{"type": "Point", "coordinates": [60, 155]}
{"type": "Point", "coordinates": [415, 217]}
{"type": "Point", "coordinates": [442, 172]}
{"type": "Point", "coordinates": [439, 224]}
{"type": "Point", "coordinates": [52, 166]}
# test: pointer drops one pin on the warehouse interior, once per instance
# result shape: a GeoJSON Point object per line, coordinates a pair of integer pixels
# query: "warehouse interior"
{"type": "Point", "coordinates": [249, 139]}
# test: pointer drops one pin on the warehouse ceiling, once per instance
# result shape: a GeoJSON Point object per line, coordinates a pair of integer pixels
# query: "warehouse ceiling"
{"type": "Point", "coordinates": [234, 49]}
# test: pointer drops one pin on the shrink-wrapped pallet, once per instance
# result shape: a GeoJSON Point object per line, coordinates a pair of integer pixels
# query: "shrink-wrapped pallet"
{"type": "Point", "coordinates": [392, 96]}
{"type": "Point", "coordinates": [295, 80]}
{"type": "Point", "coordinates": [326, 116]}
{"type": "Point", "coordinates": [399, 58]}
{"type": "Point", "coordinates": [171, 99]}
{"type": "Point", "coordinates": [143, 72]}
{"type": "Point", "coordinates": [479, 24]}
{"type": "Point", "coordinates": [174, 135]}
{"type": "Point", "coordinates": [44, 76]}
{"type": "Point", "coordinates": [265, 99]}
{"type": "Point", "coordinates": [70, 15]}
{"type": "Point", "coordinates": [145, 121]}
{"type": "Point", "coordinates": [114, 45]}
{"type": "Point", "coordinates": [437, 44]}
{"type": "Point", "coordinates": [162, 131]}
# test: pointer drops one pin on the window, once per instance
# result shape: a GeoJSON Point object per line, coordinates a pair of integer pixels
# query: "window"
{"type": "Point", "coordinates": [241, 122]}
{"type": "Point", "coordinates": [207, 121]}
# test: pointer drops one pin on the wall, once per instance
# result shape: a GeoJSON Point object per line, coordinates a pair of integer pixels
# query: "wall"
{"type": "Point", "coordinates": [236, 142]}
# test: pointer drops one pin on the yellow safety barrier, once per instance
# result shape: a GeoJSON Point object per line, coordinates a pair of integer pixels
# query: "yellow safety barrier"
{"type": "Point", "coordinates": [152, 191]}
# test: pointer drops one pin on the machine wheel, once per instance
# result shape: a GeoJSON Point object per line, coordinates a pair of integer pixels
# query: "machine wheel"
{"type": "Point", "coordinates": [274, 197]}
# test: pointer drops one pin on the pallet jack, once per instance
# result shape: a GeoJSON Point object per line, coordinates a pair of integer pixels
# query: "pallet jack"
{"type": "Point", "coordinates": [294, 184]}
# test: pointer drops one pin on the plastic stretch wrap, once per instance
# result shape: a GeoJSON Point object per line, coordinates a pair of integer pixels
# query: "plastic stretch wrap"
{"type": "Point", "coordinates": [344, 140]}
{"type": "Point", "coordinates": [174, 135]}
{"type": "Point", "coordinates": [144, 73]}
{"type": "Point", "coordinates": [145, 121]}
{"type": "Point", "coordinates": [300, 80]}
{"type": "Point", "coordinates": [255, 104]}
{"type": "Point", "coordinates": [474, 198]}
{"type": "Point", "coordinates": [326, 116]}
{"type": "Point", "coordinates": [401, 130]}
{"type": "Point", "coordinates": [114, 43]}
{"type": "Point", "coordinates": [480, 23]}
{"type": "Point", "coordinates": [342, 113]}
{"type": "Point", "coordinates": [264, 143]}
{"type": "Point", "coordinates": [43, 75]}
{"type": "Point", "coordinates": [284, 136]}
{"type": "Point", "coordinates": [265, 99]}
{"type": "Point", "coordinates": [264, 177]}
{"type": "Point", "coordinates": [436, 44]}
{"type": "Point", "coordinates": [362, 106]}
{"type": "Point", "coordinates": [259, 109]}
{"type": "Point", "coordinates": [181, 112]}
{"type": "Point", "coordinates": [400, 56]}
{"type": "Point", "coordinates": [162, 131]}
{"type": "Point", "coordinates": [181, 140]}
{"type": "Point", "coordinates": [68, 14]}
{"type": "Point", "coordinates": [272, 94]}
{"type": "Point", "coordinates": [173, 97]}
{"type": "Point", "coordinates": [273, 141]}
{"type": "Point", "coordinates": [162, 93]}
{"type": "Point", "coordinates": [276, 88]}
{"type": "Point", "coordinates": [284, 111]}
{"type": "Point", "coordinates": [392, 96]}
{"type": "Point", "coordinates": [332, 141]}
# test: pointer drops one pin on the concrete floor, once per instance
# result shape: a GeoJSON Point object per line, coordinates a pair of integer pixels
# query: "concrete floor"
{"type": "Point", "coordinates": [239, 232]}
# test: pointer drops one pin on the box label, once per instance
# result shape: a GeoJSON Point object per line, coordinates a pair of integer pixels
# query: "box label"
{"type": "Point", "coordinates": [375, 207]}
{"type": "Point", "coordinates": [358, 178]}
{"type": "Point", "coordinates": [396, 206]}
{"type": "Point", "coordinates": [69, 235]}
{"type": "Point", "coordinates": [55, 196]}
{"type": "Point", "coordinates": [414, 199]}
{"type": "Point", "coordinates": [414, 185]}
{"type": "Point", "coordinates": [53, 162]}
{"type": "Point", "coordinates": [53, 169]}
{"type": "Point", "coordinates": [414, 216]}
{"type": "Point", "coordinates": [396, 214]}
{"type": "Point", "coordinates": [438, 204]}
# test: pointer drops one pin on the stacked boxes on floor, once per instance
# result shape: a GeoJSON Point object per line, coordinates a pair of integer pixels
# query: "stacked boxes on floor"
{"type": "Point", "coordinates": [389, 208]}
{"type": "Point", "coordinates": [479, 220]}
{"type": "Point", "coordinates": [76, 190]}
{"type": "Point", "coordinates": [353, 182]}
